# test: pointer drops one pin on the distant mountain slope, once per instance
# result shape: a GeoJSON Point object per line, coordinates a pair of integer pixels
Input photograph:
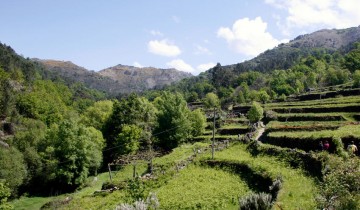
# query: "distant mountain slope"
{"type": "Point", "coordinates": [285, 55]}
{"type": "Point", "coordinates": [143, 78]}
{"type": "Point", "coordinates": [115, 80]}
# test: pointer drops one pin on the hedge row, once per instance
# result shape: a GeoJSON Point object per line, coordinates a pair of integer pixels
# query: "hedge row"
{"type": "Point", "coordinates": [342, 108]}
{"type": "Point", "coordinates": [292, 118]}
{"type": "Point", "coordinates": [307, 161]}
{"type": "Point", "coordinates": [333, 94]}
{"type": "Point", "coordinates": [307, 143]}
{"type": "Point", "coordinates": [257, 179]}
{"type": "Point", "coordinates": [232, 131]}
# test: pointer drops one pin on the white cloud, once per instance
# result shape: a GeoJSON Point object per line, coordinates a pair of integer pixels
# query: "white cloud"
{"type": "Point", "coordinates": [248, 37]}
{"type": "Point", "coordinates": [200, 50]}
{"type": "Point", "coordinates": [137, 64]}
{"type": "Point", "coordinates": [310, 14]}
{"type": "Point", "coordinates": [180, 65]}
{"type": "Point", "coordinates": [156, 33]}
{"type": "Point", "coordinates": [163, 48]}
{"type": "Point", "coordinates": [205, 66]}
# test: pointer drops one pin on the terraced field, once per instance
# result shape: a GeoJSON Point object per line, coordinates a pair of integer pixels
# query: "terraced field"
{"type": "Point", "coordinates": [303, 124]}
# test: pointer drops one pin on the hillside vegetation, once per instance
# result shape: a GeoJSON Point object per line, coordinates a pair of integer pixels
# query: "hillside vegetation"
{"type": "Point", "coordinates": [226, 139]}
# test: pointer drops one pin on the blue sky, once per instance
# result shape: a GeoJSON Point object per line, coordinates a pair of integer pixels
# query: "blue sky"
{"type": "Point", "coordinates": [189, 35]}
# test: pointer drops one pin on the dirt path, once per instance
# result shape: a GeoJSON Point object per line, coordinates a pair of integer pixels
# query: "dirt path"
{"type": "Point", "coordinates": [260, 133]}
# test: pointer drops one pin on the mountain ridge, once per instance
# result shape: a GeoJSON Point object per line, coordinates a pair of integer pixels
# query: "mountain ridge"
{"type": "Point", "coordinates": [119, 79]}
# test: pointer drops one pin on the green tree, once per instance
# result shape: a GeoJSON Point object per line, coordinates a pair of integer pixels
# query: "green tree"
{"type": "Point", "coordinates": [128, 140]}
{"type": "Point", "coordinates": [173, 124]}
{"type": "Point", "coordinates": [263, 96]}
{"type": "Point", "coordinates": [47, 102]}
{"type": "Point", "coordinates": [356, 78]}
{"type": "Point", "coordinates": [13, 169]}
{"type": "Point", "coordinates": [4, 195]}
{"type": "Point", "coordinates": [211, 100]}
{"type": "Point", "coordinates": [73, 149]}
{"type": "Point", "coordinates": [97, 114]}
{"type": "Point", "coordinates": [198, 122]}
{"type": "Point", "coordinates": [352, 59]}
{"type": "Point", "coordinates": [256, 113]}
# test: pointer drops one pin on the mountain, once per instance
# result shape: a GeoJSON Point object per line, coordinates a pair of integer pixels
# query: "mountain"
{"type": "Point", "coordinates": [143, 78]}
{"type": "Point", "coordinates": [286, 54]}
{"type": "Point", "coordinates": [115, 80]}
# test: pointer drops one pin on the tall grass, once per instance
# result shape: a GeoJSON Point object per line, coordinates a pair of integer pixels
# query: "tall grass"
{"type": "Point", "coordinates": [199, 187]}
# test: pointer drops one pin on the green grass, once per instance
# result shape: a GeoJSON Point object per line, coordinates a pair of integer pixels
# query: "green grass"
{"type": "Point", "coordinates": [298, 191]}
{"type": "Point", "coordinates": [201, 187]}
{"type": "Point", "coordinates": [234, 126]}
{"type": "Point", "coordinates": [30, 203]}
{"type": "Point", "coordinates": [33, 203]}
{"type": "Point", "coordinates": [305, 125]}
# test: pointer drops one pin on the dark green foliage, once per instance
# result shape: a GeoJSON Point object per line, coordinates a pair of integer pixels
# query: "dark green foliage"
{"type": "Point", "coordinates": [352, 59]}
{"type": "Point", "coordinates": [260, 201]}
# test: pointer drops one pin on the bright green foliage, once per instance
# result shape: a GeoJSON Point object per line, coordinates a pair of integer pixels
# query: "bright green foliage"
{"type": "Point", "coordinates": [198, 122]}
{"type": "Point", "coordinates": [263, 96]}
{"type": "Point", "coordinates": [341, 186]}
{"type": "Point", "coordinates": [128, 140]}
{"type": "Point", "coordinates": [256, 113]}
{"type": "Point", "coordinates": [97, 114]}
{"type": "Point", "coordinates": [240, 97]}
{"type": "Point", "coordinates": [173, 124]}
{"type": "Point", "coordinates": [13, 169]}
{"type": "Point", "coordinates": [47, 102]}
{"type": "Point", "coordinates": [211, 100]}
{"type": "Point", "coordinates": [4, 195]}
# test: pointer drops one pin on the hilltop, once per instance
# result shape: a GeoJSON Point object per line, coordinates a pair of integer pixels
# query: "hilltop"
{"type": "Point", "coordinates": [286, 55]}
{"type": "Point", "coordinates": [115, 80]}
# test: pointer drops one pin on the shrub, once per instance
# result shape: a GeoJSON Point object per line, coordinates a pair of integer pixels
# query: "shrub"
{"type": "Point", "coordinates": [339, 147]}
{"type": "Point", "coordinates": [151, 203]}
{"type": "Point", "coordinates": [260, 201]}
{"type": "Point", "coordinates": [256, 112]}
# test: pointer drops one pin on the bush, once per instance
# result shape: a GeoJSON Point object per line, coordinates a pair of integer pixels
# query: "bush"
{"type": "Point", "coordinates": [151, 202]}
{"type": "Point", "coordinates": [339, 147]}
{"type": "Point", "coordinates": [261, 201]}
{"type": "Point", "coordinates": [256, 113]}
